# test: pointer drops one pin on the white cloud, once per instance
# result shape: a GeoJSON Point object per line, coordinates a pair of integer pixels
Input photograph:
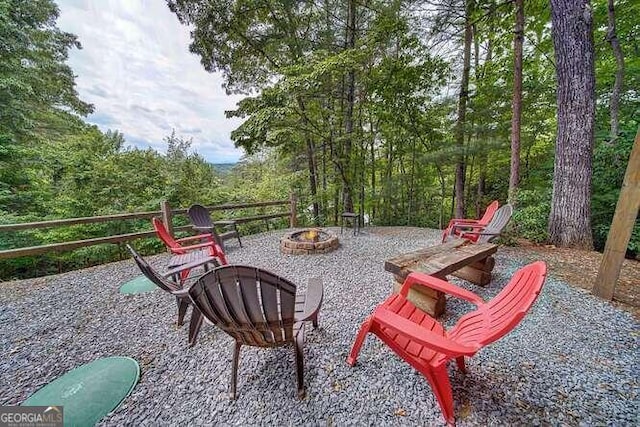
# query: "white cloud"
{"type": "Point", "coordinates": [135, 67]}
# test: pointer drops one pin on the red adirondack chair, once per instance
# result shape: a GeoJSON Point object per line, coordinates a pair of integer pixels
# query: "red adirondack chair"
{"type": "Point", "coordinates": [486, 217]}
{"type": "Point", "coordinates": [424, 343]}
{"type": "Point", "coordinates": [489, 232]}
{"type": "Point", "coordinates": [175, 245]}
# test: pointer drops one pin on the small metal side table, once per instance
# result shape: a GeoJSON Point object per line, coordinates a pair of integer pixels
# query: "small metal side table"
{"type": "Point", "coordinates": [355, 220]}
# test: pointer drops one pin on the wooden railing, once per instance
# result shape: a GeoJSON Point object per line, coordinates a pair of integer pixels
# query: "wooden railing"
{"type": "Point", "coordinates": [165, 212]}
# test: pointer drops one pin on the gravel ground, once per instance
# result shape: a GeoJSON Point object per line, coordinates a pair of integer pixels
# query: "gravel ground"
{"type": "Point", "coordinates": [572, 361]}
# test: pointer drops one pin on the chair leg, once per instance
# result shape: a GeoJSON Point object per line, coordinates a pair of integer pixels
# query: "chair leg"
{"type": "Point", "coordinates": [194, 326]}
{"type": "Point", "coordinates": [182, 310]}
{"type": "Point", "coordinates": [460, 362]}
{"type": "Point", "coordinates": [184, 275]}
{"type": "Point", "coordinates": [445, 233]}
{"type": "Point", "coordinates": [299, 345]}
{"type": "Point", "coordinates": [439, 380]}
{"type": "Point", "coordinates": [238, 236]}
{"type": "Point", "coordinates": [357, 344]}
{"type": "Point", "coordinates": [314, 321]}
{"type": "Point", "coordinates": [234, 369]}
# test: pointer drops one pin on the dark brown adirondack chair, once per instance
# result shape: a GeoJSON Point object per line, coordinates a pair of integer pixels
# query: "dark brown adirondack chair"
{"type": "Point", "coordinates": [491, 231]}
{"type": "Point", "coordinates": [173, 286]}
{"type": "Point", "coordinates": [257, 308]}
{"type": "Point", "coordinates": [201, 221]}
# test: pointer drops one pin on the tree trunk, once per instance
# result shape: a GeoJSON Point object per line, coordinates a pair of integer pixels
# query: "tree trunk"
{"type": "Point", "coordinates": [313, 182]}
{"type": "Point", "coordinates": [462, 111]}
{"type": "Point", "coordinates": [617, 85]}
{"type": "Point", "coordinates": [443, 192]}
{"type": "Point", "coordinates": [483, 156]}
{"type": "Point", "coordinates": [514, 177]}
{"type": "Point", "coordinates": [348, 121]}
{"type": "Point", "coordinates": [374, 198]}
{"type": "Point", "coordinates": [569, 220]}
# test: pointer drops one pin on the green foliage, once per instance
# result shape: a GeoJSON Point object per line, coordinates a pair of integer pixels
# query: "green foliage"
{"type": "Point", "coordinates": [532, 213]}
{"type": "Point", "coordinates": [35, 85]}
{"type": "Point", "coordinates": [609, 166]}
{"type": "Point", "coordinates": [371, 118]}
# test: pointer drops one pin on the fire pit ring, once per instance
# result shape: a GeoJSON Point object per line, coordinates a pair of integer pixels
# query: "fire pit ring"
{"type": "Point", "coordinates": [309, 241]}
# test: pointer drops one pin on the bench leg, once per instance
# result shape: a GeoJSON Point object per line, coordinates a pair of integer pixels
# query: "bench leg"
{"type": "Point", "coordinates": [478, 273]}
{"type": "Point", "coordinates": [428, 300]}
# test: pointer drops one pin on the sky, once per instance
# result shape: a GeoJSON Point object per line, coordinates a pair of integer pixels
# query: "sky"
{"type": "Point", "coordinates": [136, 69]}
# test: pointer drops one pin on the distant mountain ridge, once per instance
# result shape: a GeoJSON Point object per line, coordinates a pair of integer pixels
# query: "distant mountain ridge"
{"type": "Point", "coordinates": [223, 168]}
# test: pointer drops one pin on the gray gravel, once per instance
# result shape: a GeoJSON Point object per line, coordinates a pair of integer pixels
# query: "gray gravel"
{"type": "Point", "coordinates": [572, 361]}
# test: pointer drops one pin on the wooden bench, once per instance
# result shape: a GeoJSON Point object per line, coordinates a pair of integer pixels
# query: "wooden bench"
{"type": "Point", "coordinates": [460, 258]}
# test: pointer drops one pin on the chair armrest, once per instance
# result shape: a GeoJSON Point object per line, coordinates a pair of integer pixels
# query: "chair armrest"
{"type": "Point", "coordinates": [431, 282]}
{"type": "Point", "coordinates": [203, 228]}
{"type": "Point", "coordinates": [477, 233]}
{"type": "Point", "coordinates": [470, 227]}
{"type": "Point", "coordinates": [182, 293]}
{"type": "Point", "coordinates": [460, 221]}
{"type": "Point", "coordinates": [421, 335]}
{"type": "Point", "coordinates": [313, 300]}
{"type": "Point", "coordinates": [196, 237]}
{"type": "Point", "coordinates": [183, 249]}
{"type": "Point", "coordinates": [190, 265]}
{"type": "Point", "coordinates": [480, 233]}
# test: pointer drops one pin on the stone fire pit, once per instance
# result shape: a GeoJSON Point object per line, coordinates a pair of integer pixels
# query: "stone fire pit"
{"type": "Point", "coordinates": [309, 241]}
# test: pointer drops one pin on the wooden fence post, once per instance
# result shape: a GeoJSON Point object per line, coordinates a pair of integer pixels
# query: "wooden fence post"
{"type": "Point", "coordinates": [621, 227]}
{"type": "Point", "coordinates": [293, 220]}
{"type": "Point", "coordinates": [167, 216]}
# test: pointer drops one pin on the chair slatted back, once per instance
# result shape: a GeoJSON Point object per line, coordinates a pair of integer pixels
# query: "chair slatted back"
{"type": "Point", "coordinates": [164, 235]}
{"type": "Point", "coordinates": [199, 216]}
{"type": "Point", "coordinates": [489, 212]}
{"type": "Point", "coordinates": [252, 305]}
{"type": "Point", "coordinates": [496, 318]}
{"type": "Point", "coordinates": [497, 224]}
{"type": "Point", "coordinates": [152, 274]}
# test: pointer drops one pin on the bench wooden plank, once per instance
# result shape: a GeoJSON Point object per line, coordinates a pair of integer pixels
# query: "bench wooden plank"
{"type": "Point", "coordinates": [473, 262]}
{"type": "Point", "coordinates": [396, 264]}
{"type": "Point", "coordinates": [440, 260]}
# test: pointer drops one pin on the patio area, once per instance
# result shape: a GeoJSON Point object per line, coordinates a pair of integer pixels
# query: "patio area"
{"type": "Point", "coordinates": [573, 359]}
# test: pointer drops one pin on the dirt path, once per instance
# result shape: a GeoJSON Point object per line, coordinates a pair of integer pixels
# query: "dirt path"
{"type": "Point", "coordinates": [580, 268]}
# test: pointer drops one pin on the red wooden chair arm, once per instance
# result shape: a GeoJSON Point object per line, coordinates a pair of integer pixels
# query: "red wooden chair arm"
{"type": "Point", "coordinates": [462, 221]}
{"type": "Point", "coordinates": [417, 278]}
{"type": "Point", "coordinates": [313, 300]}
{"type": "Point", "coordinates": [196, 237]}
{"type": "Point", "coordinates": [183, 249]}
{"type": "Point", "coordinates": [469, 227]}
{"type": "Point", "coordinates": [421, 335]}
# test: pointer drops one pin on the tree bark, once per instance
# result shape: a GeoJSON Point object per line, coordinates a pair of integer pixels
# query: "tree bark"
{"type": "Point", "coordinates": [348, 121]}
{"type": "Point", "coordinates": [569, 220]}
{"type": "Point", "coordinates": [483, 156]}
{"type": "Point", "coordinates": [462, 111]}
{"type": "Point", "coordinates": [514, 177]}
{"type": "Point", "coordinates": [617, 85]}
{"type": "Point", "coordinates": [311, 162]}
